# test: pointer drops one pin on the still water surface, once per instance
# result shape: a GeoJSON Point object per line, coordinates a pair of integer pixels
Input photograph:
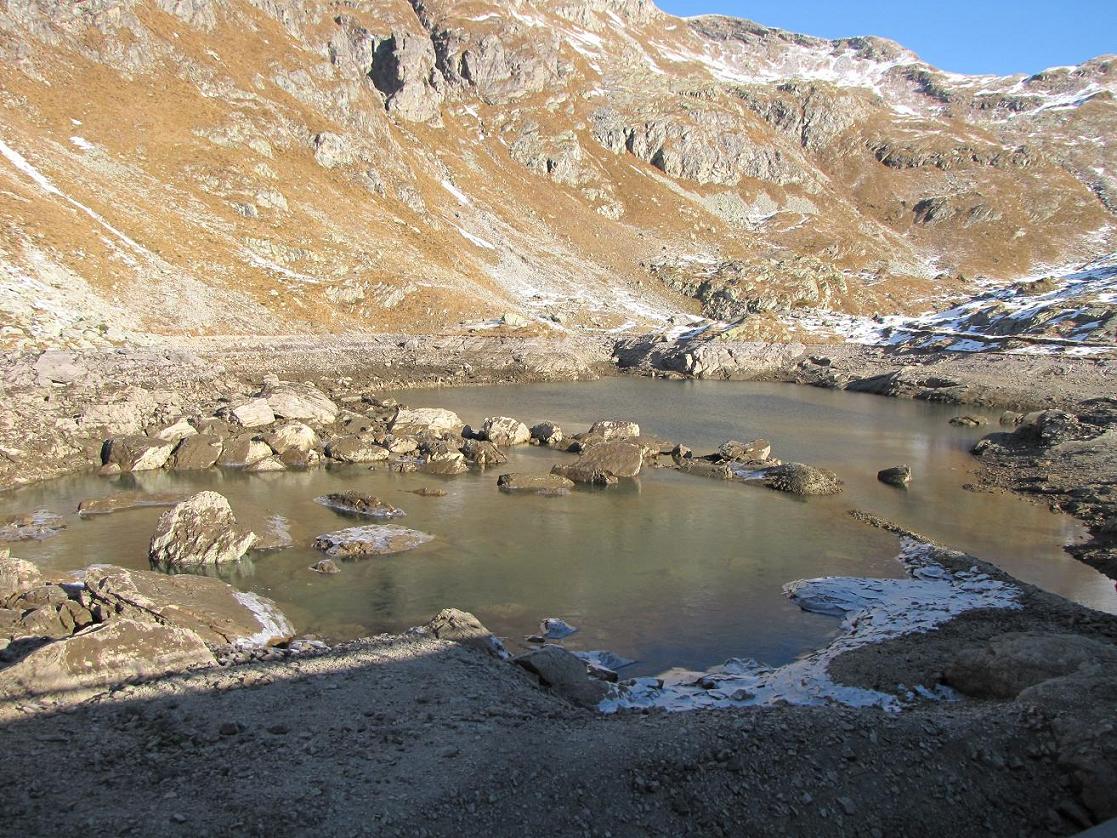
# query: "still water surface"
{"type": "Point", "coordinates": [671, 570]}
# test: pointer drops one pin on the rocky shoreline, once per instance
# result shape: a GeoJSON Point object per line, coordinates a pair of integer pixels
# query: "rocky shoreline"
{"type": "Point", "coordinates": [1025, 739]}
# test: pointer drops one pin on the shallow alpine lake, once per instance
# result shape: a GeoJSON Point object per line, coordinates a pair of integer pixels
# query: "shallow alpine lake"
{"type": "Point", "coordinates": [672, 570]}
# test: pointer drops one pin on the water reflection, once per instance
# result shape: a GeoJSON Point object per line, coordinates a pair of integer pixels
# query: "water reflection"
{"type": "Point", "coordinates": [670, 569]}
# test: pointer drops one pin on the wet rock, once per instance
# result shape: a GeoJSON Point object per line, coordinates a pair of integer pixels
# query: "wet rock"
{"type": "Point", "coordinates": [442, 459]}
{"type": "Point", "coordinates": [483, 453]}
{"type": "Point", "coordinates": [555, 628]}
{"type": "Point", "coordinates": [745, 452]}
{"type": "Point", "coordinates": [547, 433]}
{"type": "Point", "coordinates": [106, 654]}
{"type": "Point", "coordinates": [217, 612]}
{"type": "Point", "coordinates": [564, 673]}
{"type": "Point", "coordinates": [801, 479]}
{"type": "Point", "coordinates": [967, 421]}
{"type": "Point", "coordinates": [538, 484]}
{"type": "Point", "coordinates": [327, 567]}
{"type": "Point", "coordinates": [462, 627]}
{"type": "Point", "coordinates": [30, 526]}
{"type": "Point", "coordinates": [898, 476]}
{"type": "Point", "coordinates": [355, 503]}
{"type": "Point", "coordinates": [356, 449]}
{"type": "Point", "coordinates": [504, 430]}
{"type": "Point", "coordinates": [198, 531]}
{"type": "Point", "coordinates": [303, 402]}
{"type": "Point", "coordinates": [196, 453]}
{"type": "Point", "coordinates": [425, 420]}
{"type": "Point", "coordinates": [1008, 664]}
{"type": "Point", "coordinates": [127, 500]}
{"type": "Point", "coordinates": [294, 435]}
{"type": "Point", "coordinates": [610, 429]}
{"type": "Point", "coordinates": [603, 461]}
{"type": "Point", "coordinates": [243, 451]}
{"type": "Point", "coordinates": [17, 575]}
{"type": "Point", "coordinates": [136, 453]}
{"type": "Point", "coordinates": [428, 492]}
{"type": "Point", "coordinates": [373, 540]}
{"type": "Point", "coordinates": [255, 413]}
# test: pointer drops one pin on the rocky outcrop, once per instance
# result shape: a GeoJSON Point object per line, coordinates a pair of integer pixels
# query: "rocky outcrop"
{"type": "Point", "coordinates": [403, 70]}
{"type": "Point", "coordinates": [216, 612]}
{"type": "Point", "coordinates": [298, 402]}
{"type": "Point", "coordinates": [199, 531]}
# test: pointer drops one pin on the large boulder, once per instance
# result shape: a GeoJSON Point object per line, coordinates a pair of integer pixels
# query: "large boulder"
{"type": "Point", "coordinates": [254, 413]}
{"type": "Point", "coordinates": [196, 453]}
{"type": "Point", "coordinates": [410, 421]}
{"type": "Point", "coordinates": [482, 453]}
{"type": "Point", "coordinates": [17, 575]}
{"type": "Point", "coordinates": [198, 531]}
{"type": "Point", "coordinates": [373, 540]}
{"type": "Point", "coordinates": [299, 401]}
{"type": "Point", "coordinates": [800, 479]}
{"type": "Point", "coordinates": [534, 484]}
{"type": "Point", "coordinates": [564, 673]}
{"type": "Point", "coordinates": [504, 430]}
{"type": "Point", "coordinates": [462, 627]}
{"type": "Point", "coordinates": [104, 655]}
{"type": "Point", "coordinates": [356, 448]}
{"type": "Point", "coordinates": [219, 613]}
{"type": "Point", "coordinates": [1011, 663]}
{"type": "Point", "coordinates": [355, 503]}
{"type": "Point", "coordinates": [614, 429]}
{"type": "Point", "coordinates": [136, 453]}
{"type": "Point", "coordinates": [603, 461]}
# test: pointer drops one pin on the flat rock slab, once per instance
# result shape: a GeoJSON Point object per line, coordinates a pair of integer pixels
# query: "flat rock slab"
{"type": "Point", "coordinates": [30, 526]}
{"type": "Point", "coordinates": [537, 484]}
{"type": "Point", "coordinates": [127, 500]}
{"type": "Point", "coordinates": [104, 655]}
{"type": "Point", "coordinates": [373, 540]}
{"type": "Point", "coordinates": [217, 612]}
{"type": "Point", "coordinates": [355, 503]}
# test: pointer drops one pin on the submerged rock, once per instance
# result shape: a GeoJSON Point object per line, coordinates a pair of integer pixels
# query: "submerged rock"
{"type": "Point", "coordinates": [327, 567]}
{"type": "Point", "coordinates": [898, 476]}
{"type": "Point", "coordinates": [428, 492]}
{"type": "Point", "coordinates": [373, 540]}
{"type": "Point", "coordinates": [127, 500]}
{"type": "Point", "coordinates": [106, 654]}
{"type": "Point", "coordinates": [554, 628]}
{"type": "Point", "coordinates": [539, 484]}
{"type": "Point", "coordinates": [564, 673]}
{"type": "Point", "coordinates": [801, 479]}
{"type": "Point", "coordinates": [356, 503]}
{"type": "Point", "coordinates": [30, 526]}
{"type": "Point", "coordinates": [216, 611]}
{"type": "Point", "coordinates": [967, 421]}
{"type": "Point", "coordinates": [198, 531]}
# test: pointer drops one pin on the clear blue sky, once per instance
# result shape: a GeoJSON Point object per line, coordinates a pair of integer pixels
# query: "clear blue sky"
{"type": "Point", "coordinates": [964, 36]}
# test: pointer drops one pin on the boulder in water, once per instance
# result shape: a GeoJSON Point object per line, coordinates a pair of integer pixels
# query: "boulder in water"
{"type": "Point", "coordinates": [198, 531]}
{"type": "Point", "coordinates": [898, 476]}
{"type": "Point", "coordinates": [801, 479]}
{"type": "Point", "coordinates": [504, 430]}
{"type": "Point", "coordinates": [373, 540]}
{"type": "Point", "coordinates": [355, 503]}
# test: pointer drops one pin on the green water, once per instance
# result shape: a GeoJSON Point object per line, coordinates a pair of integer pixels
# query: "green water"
{"type": "Point", "coordinates": [672, 570]}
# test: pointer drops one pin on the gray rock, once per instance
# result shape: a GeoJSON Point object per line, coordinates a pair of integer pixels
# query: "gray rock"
{"type": "Point", "coordinates": [266, 465]}
{"type": "Point", "coordinates": [898, 476]}
{"type": "Point", "coordinates": [196, 453]}
{"type": "Point", "coordinates": [746, 452]}
{"type": "Point", "coordinates": [800, 479]}
{"type": "Point", "coordinates": [242, 451]}
{"type": "Point", "coordinates": [504, 430]}
{"type": "Point", "coordinates": [373, 540]}
{"type": "Point", "coordinates": [137, 453]}
{"type": "Point", "coordinates": [303, 402]}
{"type": "Point", "coordinates": [441, 459]}
{"type": "Point", "coordinates": [435, 420]}
{"type": "Point", "coordinates": [355, 503]}
{"type": "Point", "coordinates": [462, 627]}
{"type": "Point", "coordinates": [255, 413]}
{"type": "Point", "coordinates": [198, 531]}
{"type": "Point", "coordinates": [564, 673]}
{"type": "Point", "coordinates": [967, 421]}
{"type": "Point", "coordinates": [327, 567]}
{"type": "Point", "coordinates": [604, 461]}
{"type": "Point", "coordinates": [403, 70]}
{"type": "Point", "coordinates": [176, 431]}
{"type": "Point", "coordinates": [547, 433]}
{"type": "Point", "coordinates": [294, 435]}
{"type": "Point", "coordinates": [482, 453]}
{"type": "Point", "coordinates": [1008, 664]}
{"type": "Point", "coordinates": [609, 429]}
{"type": "Point", "coordinates": [356, 448]}
{"type": "Point", "coordinates": [538, 484]}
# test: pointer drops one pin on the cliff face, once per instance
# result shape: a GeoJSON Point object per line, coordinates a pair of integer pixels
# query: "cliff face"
{"type": "Point", "coordinates": [266, 167]}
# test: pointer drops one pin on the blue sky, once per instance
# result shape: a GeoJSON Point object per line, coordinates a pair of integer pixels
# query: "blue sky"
{"type": "Point", "coordinates": [964, 36]}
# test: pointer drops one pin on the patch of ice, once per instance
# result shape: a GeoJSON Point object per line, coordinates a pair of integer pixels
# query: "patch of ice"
{"type": "Point", "coordinates": [82, 143]}
{"type": "Point", "coordinates": [873, 611]}
{"type": "Point", "coordinates": [274, 626]}
{"type": "Point", "coordinates": [477, 240]}
{"type": "Point", "coordinates": [457, 193]}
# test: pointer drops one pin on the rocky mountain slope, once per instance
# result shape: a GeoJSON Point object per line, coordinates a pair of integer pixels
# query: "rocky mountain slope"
{"type": "Point", "coordinates": [224, 167]}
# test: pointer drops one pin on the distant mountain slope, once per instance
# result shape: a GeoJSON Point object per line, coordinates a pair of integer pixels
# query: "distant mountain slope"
{"type": "Point", "coordinates": [271, 166]}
